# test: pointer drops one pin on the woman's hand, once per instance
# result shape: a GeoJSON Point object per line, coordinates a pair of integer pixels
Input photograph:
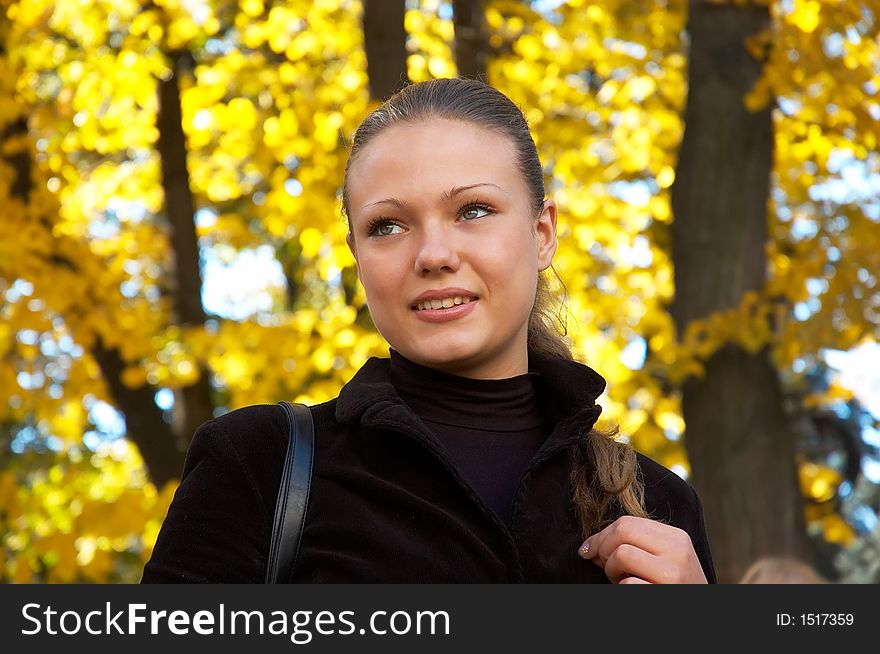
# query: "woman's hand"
{"type": "Point", "coordinates": [642, 551]}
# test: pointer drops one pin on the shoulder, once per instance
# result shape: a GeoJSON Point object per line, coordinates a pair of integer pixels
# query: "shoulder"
{"type": "Point", "coordinates": [254, 436]}
{"type": "Point", "coordinates": [251, 432]}
{"type": "Point", "coordinates": [249, 444]}
{"type": "Point", "coordinates": [256, 429]}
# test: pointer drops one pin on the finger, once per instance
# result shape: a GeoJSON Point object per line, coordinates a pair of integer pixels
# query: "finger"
{"type": "Point", "coordinates": [633, 580]}
{"type": "Point", "coordinates": [587, 549]}
{"type": "Point", "coordinates": [630, 561]}
{"type": "Point", "coordinates": [649, 535]}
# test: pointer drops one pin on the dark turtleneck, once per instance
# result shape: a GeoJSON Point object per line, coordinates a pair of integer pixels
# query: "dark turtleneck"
{"type": "Point", "coordinates": [491, 428]}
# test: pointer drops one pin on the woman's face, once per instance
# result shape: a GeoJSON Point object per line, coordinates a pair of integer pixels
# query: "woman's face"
{"type": "Point", "coordinates": [447, 245]}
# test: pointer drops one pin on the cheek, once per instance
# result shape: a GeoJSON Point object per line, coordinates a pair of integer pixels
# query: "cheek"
{"type": "Point", "coordinates": [511, 257]}
{"type": "Point", "coordinates": [511, 273]}
{"type": "Point", "coordinates": [516, 237]}
{"type": "Point", "coordinates": [380, 277]}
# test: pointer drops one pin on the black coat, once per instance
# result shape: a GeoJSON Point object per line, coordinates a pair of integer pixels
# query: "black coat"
{"type": "Point", "coordinates": [386, 503]}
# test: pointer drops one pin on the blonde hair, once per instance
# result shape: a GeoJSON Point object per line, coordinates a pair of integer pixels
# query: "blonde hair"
{"type": "Point", "coordinates": [781, 570]}
{"type": "Point", "coordinates": [605, 478]}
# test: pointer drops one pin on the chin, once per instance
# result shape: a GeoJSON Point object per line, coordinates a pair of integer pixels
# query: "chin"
{"type": "Point", "coordinates": [442, 355]}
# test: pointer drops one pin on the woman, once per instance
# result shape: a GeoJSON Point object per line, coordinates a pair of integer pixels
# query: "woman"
{"type": "Point", "coordinates": [469, 454]}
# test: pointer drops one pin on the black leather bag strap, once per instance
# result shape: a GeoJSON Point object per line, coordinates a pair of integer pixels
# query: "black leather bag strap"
{"type": "Point", "coordinates": [293, 494]}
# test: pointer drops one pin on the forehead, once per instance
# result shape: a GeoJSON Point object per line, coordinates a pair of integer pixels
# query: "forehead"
{"type": "Point", "coordinates": [429, 155]}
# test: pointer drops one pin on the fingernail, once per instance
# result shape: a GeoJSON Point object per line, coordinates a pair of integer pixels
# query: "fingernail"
{"type": "Point", "coordinates": [584, 549]}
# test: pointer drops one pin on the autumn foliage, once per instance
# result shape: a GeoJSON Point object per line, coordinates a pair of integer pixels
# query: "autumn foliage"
{"type": "Point", "coordinates": [93, 314]}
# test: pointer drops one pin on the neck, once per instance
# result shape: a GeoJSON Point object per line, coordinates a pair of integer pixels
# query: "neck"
{"type": "Point", "coordinates": [474, 369]}
{"type": "Point", "coordinates": [507, 404]}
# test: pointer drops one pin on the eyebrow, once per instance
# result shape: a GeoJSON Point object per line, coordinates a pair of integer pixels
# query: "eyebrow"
{"type": "Point", "coordinates": [447, 195]}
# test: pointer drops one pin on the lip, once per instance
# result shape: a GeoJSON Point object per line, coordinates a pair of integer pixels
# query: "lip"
{"type": "Point", "coordinates": [446, 314]}
{"type": "Point", "coordinates": [440, 293]}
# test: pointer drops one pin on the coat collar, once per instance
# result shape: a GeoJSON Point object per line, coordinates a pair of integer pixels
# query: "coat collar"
{"type": "Point", "coordinates": [567, 390]}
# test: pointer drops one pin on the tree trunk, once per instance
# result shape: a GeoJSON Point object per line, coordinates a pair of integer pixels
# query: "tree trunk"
{"type": "Point", "coordinates": [385, 46]}
{"type": "Point", "coordinates": [741, 449]}
{"type": "Point", "coordinates": [193, 404]}
{"type": "Point", "coordinates": [471, 39]}
{"type": "Point", "coordinates": [144, 423]}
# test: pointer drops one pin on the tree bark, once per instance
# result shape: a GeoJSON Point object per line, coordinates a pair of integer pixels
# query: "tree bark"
{"type": "Point", "coordinates": [193, 404]}
{"type": "Point", "coordinates": [471, 39]}
{"type": "Point", "coordinates": [144, 423]}
{"type": "Point", "coordinates": [385, 46]}
{"type": "Point", "coordinates": [740, 445]}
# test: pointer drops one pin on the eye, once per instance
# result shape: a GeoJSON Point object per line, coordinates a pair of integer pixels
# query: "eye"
{"type": "Point", "coordinates": [474, 210]}
{"type": "Point", "coordinates": [382, 227]}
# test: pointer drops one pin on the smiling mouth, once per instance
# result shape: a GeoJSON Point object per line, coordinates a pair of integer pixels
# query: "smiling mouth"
{"type": "Point", "coordinates": [445, 303]}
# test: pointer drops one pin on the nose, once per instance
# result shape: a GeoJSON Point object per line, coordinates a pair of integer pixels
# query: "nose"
{"type": "Point", "coordinates": [437, 252]}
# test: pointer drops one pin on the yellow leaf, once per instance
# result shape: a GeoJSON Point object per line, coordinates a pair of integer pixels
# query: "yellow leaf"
{"type": "Point", "coordinates": [310, 240]}
{"type": "Point", "coordinates": [22, 573]}
{"type": "Point", "coordinates": [837, 530]}
{"type": "Point", "coordinates": [252, 7]}
{"type": "Point", "coordinates": [818, 482]}
{"type": "Point", "coordinates": [134, 377]}
{"type": "Point", "coordinates": [806, 15]}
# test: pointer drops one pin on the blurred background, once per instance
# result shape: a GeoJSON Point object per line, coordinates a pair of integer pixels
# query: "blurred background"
{"type": "Point", "coordinates": [172, 244]}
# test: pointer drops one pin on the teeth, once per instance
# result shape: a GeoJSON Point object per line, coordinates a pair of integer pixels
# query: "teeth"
{"type": "Point", "coordinates": [445, 303]}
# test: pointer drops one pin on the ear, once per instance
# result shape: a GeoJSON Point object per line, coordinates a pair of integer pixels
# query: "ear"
{"type": "Point", "coordinates": [349, 240]}
{"type": "Point", "coordinates": [545, 233]}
